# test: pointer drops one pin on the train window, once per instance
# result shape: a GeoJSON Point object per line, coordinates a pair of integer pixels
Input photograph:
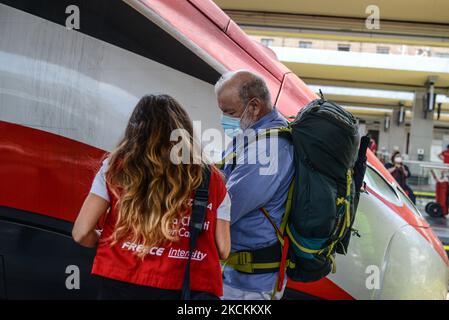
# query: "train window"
{"type": "Point", "coordinates": [406, 200]}
{"type": "Point", "coordinates": [381, 186]}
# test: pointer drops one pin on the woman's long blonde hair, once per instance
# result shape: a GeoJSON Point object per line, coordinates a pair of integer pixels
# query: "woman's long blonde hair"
{"type": "Point", "coordinates": [151, 189]}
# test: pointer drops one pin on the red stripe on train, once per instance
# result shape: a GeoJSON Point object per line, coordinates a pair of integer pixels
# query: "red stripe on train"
{"type": "Point", "coordinates": [44, 173]}
{"type": "Point", "coordinates": [323, 288]}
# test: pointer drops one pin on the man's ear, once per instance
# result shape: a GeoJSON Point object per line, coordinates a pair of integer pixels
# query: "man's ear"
{"type": "Point", "coordinates": [256, 106]}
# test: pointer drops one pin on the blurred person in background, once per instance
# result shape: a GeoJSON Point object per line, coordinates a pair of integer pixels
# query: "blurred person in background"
{"type": "Point", "coordinates": [444, 155]}
{"type": "Point", "coordinates": [401, 173]}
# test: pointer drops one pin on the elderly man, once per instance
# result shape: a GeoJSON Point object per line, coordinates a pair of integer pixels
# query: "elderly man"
{"type": "Point", "coordinates": [245, 101]}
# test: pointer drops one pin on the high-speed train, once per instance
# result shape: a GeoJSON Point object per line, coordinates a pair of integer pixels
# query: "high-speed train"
{"type": "Point", "coordinates": [65, 98]}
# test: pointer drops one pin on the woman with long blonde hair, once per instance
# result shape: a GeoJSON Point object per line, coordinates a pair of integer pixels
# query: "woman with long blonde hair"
{"type": "Point", "coordinates": [143, 196]}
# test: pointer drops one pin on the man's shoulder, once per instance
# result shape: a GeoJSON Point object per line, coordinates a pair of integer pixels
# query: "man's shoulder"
{"type": "Point", "coordinates": [278, 122]}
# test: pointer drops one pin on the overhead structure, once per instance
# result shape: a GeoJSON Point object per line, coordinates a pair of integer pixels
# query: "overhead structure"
{"type": "Point", "coordinates": [413, 22]}
{"type": "Point", "coordinates": [366, 70]}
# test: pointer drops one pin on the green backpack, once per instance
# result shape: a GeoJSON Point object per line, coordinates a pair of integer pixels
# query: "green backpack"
{"type": "Point", "coordinates": [330, 163]}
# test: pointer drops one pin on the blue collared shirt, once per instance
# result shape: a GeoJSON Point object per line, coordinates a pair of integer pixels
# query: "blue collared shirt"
{"type": "Point", "coordinates": [249, 191]}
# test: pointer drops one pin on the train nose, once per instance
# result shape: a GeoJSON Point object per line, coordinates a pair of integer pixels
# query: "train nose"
{"type": "Point", "coordinates": [427, 272]}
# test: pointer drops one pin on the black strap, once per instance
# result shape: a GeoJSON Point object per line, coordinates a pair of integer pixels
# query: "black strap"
{"type": "Point", "coordinates": [270, 254]}
{"type": "Point", "coordinates": [360, 164]}
{"type": "Point", "coordinates": [322, 95]}
{"type": "Point", "coordinates": [196, 224]}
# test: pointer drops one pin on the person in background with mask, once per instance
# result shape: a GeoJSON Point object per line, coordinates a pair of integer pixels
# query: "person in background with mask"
{"type": "Point", "coordinates": [401, 173]}
{"type": "Point", "coordinates": [245, 102]}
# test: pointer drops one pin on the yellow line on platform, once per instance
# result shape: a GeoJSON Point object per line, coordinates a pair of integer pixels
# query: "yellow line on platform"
{"type": "Point", "coordinates": [422, 193]}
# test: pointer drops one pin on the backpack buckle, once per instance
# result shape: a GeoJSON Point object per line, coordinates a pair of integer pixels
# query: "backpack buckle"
{"type": "Point", "coordinates": [244, 258]}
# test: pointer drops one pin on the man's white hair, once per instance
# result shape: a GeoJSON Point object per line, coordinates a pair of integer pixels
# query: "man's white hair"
{"type": "Point", "coordinates": [256, 87]}
{"type": "Point", "coordinates": [224, 78]}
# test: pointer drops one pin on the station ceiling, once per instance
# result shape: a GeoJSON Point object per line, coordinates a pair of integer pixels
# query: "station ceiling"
{"type": "Point", "coordinates": [366, 77]}
{"type": "Point", "coordinates": [433, 11]}
{"type": "Point", "coordinates": [417, 22]}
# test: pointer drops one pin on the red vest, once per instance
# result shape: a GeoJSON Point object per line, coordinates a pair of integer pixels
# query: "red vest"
{"type": "Point", "coordinates": [163, 267]}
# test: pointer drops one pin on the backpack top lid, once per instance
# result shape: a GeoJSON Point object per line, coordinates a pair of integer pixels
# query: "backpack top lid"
{"type": "Point", "coordinates": [328, 136]}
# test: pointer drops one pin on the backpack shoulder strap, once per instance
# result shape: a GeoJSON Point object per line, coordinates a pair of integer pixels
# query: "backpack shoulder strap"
{"type": "Point", "coordinates": [280, 231]}
{"type": "Point", "coordinates": [196, 224]}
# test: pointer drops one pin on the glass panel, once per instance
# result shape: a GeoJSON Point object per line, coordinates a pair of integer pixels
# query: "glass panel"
{"type": "Point", "coordinates": [376, 182]}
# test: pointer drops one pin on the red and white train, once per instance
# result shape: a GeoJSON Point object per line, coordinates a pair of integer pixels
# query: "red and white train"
{"type": "Point", "coordinates": [65, 97]}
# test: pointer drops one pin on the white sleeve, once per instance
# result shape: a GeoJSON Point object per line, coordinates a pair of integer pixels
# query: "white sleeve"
{"type": "Point", "coordinates": [224, 210]}
{"type": "Point", "coordinates": [99, 184]}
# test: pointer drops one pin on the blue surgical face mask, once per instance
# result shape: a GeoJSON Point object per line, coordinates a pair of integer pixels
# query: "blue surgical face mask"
{"type": "Point", "coordinates": [230, 125]}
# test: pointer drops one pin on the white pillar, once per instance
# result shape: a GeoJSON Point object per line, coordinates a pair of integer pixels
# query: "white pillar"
{"type": "Point", "coordinates": [395, 137]}
{"type": "Point", "coordinates": [421, 130]}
